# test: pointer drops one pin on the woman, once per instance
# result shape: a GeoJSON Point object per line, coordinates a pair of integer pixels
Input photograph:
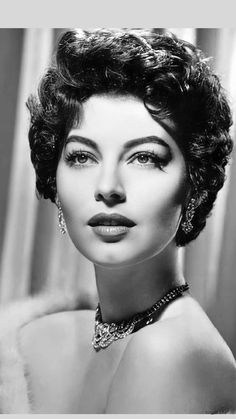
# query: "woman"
{"type": "Point", "coordinates": [130, 138]}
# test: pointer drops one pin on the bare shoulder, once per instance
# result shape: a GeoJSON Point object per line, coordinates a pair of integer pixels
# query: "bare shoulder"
{"type": "Point", "coordinates": [178, 365]}
{"type": "Point", "coordinates": [55, 349]}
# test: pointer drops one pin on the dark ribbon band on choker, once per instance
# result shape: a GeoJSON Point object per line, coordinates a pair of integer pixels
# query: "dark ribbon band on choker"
{"type": "Point", "coordinates": [107, 333]}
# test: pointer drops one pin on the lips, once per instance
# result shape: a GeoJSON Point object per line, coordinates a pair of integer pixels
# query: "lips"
{"type": "Point", "coordinates": [113, 220]}
{"type": "Point", "coordinates": [110, 228]}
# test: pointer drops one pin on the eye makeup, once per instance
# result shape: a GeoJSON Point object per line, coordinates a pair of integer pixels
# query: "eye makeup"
{"type": "Point", "coordinates": [80, 158]}
{"type": "Point", "coordinates": [127, 145]}
{"type": "Point", "coordinates": [150, 159]}
{"type": "Point", "coordinates": [151, 151]}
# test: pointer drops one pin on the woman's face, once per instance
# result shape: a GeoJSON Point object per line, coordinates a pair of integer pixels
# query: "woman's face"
{"type": "Point", "coordinates": [118, 162]}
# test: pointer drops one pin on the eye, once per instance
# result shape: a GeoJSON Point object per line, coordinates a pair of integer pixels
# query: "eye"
{"type": "Point", "coordinates": [80, 158]}
{"type": "Point", "coordinates": [143, 158]}
{"type": "Point", "coordinates": [147, 158]}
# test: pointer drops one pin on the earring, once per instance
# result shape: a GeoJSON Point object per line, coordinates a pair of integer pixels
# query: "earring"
{"type": "Point", "coordinates": [61, 220]}
{"type": "Point", "coordinates": [187, 225]}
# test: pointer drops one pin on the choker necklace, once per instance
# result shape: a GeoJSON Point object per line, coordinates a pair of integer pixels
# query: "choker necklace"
{"type": "Point", "coordinates": [107, 333]}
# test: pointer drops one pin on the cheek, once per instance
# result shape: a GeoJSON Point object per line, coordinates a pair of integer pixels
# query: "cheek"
{"type": "Point", "coordinates": [160, 199]}
{"type": "Point", "coordinates": [160, 216]}
{"type": "Point", "coordinates": [71, 192]}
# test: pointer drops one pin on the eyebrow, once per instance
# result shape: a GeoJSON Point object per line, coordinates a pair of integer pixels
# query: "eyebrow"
{"type": "Point", "coordinates": [144, 140]}
{"type": "Point", "coordinates": [82, 140]}
{"type": "Point", "coordinates": [128, 145]}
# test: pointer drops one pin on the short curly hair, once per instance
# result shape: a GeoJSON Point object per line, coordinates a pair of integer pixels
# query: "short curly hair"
{"type": "Point", "coordinates": [161, 70]}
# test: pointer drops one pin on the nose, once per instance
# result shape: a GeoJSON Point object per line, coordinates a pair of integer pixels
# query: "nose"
{"type": "Point", "coordinates": [109, 188]}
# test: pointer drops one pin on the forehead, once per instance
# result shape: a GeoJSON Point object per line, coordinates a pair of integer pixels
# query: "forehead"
{"type": "Point", "coordinates": [120, 119]}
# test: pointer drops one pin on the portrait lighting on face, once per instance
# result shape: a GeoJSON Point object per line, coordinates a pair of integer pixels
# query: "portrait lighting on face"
{"type": "Point", "coordinates": [120, 180]}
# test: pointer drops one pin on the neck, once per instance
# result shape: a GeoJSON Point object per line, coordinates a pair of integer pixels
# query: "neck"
{"type": "Point", "coordinates": [126, 291]}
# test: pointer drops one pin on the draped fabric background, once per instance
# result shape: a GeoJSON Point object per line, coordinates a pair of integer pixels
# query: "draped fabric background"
{"type": "Point", "coordinates": [33, 254]}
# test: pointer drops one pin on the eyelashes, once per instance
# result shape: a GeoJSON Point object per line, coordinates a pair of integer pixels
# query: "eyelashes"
{"type": "Point", "coordinates": [146, 159]}
{"type": "Point", "coordinates": [80, 158]}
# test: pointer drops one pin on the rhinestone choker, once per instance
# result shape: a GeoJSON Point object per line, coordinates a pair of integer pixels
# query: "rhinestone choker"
{"type": "Point", "coordinates": [107, 333]}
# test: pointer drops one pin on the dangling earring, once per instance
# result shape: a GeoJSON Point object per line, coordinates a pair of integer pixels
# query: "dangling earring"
{"type": "Point", "coordinates": [61, 220]}
{"type": "Point", "coordinates": [190, 211]}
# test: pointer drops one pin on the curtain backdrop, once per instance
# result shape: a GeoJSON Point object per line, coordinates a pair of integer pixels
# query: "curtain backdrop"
{"type": "Point", "coordinates": [33, 254]}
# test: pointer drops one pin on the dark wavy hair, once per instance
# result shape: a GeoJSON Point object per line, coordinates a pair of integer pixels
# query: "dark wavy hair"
{"type": "Point", "coordinates": [163, 71]}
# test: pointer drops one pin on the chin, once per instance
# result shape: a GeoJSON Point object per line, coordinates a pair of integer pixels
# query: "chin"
{"type": "Point", "coordinates": [121, 253]}
{"type": "Point", "coordinates": [110, 258]}
{"type": "Point", "coordinates": [117, 259]}
{"type": "Point", "coordinates": [111, 261]}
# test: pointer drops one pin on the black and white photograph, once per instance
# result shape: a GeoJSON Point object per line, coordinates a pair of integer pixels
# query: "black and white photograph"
{"type": "Point", "coordinates": [117, 220]}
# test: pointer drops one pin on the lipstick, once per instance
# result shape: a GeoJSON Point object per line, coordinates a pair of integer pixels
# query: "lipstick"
{"type": "Point", "coordinates": [111, 227]}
